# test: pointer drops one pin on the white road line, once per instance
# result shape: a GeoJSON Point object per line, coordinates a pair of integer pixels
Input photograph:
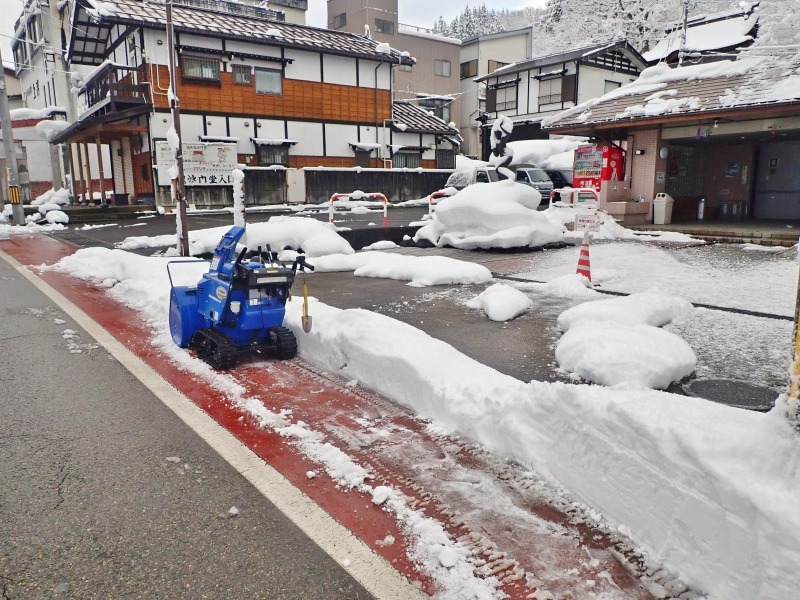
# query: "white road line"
{"type": "Point", "coordinates": [368, 568]}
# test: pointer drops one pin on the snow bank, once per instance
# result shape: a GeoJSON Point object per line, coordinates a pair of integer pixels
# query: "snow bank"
{"type": "Point", "coordinates": [47, 207]}
{"type": "Point", "coordinates": [625, 355]}
{"type": "Point", "coordinates": [501, 302]}
{"type": "Point", "coordinates": [314, 237]}
{"type": "Point", "coordinates": [58, 197]}
{"type": "Point", "coordinates": [500, 214]}
{"type": "Point", "coordinates": [57, 216]}
{"type": "Point", "coordinates": [47, 130]}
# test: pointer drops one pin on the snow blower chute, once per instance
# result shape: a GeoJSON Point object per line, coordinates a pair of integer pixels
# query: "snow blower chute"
{"type": "Point", "coordinates": [238, 306]}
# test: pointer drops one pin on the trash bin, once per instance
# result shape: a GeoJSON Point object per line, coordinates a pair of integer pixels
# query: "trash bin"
{"type": "Point", "coordinates": [662, 209]}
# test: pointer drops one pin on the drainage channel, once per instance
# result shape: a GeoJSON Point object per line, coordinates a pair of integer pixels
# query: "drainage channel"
{"type": "Point", "coordinates": [738, 311]}
{"type": "Point", "coordinates": [80, 241]}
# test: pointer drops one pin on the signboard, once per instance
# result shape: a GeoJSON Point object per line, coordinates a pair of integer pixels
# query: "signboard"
{"type": "Point", "coordinates": [588, 222]}
{"type": "Point", "coordinates": [204, 164]}
{"type": "Point", "coordinates": [13, 194]}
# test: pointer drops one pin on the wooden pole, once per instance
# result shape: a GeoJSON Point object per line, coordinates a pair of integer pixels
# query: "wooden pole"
{"type": "Point", "coordinates": [88, 173]}
{"type": "Point", "coordinates": [99, 148]}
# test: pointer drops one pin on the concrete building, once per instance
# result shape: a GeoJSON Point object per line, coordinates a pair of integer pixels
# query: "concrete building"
{"type": "Point", "coordinates": [480, 56]}
{"type": "Point", "coordinates": [432, 82]}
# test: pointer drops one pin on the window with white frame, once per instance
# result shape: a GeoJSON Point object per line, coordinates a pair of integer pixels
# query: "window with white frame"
{"type": "Point", "coordinates": [611, 86]}
{"type": "Point", "coordinates": [269, 81]}
{"type": "Point", "coordinates": [550, 91]}
{"type": "Point", "coordinates": [441, 68]}
{"type": "Point", "coordinates": [506, 98]}
{"type": "Point", "coordinates": [406, 159]}
{"type": "Point", "coordinates": [200, 68]}
{"type": "Point", "coordinates": [242, 74]}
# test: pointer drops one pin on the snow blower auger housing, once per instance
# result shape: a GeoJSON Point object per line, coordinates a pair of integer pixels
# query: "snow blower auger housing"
{"type": "Point", "coordinates": [238, 306]}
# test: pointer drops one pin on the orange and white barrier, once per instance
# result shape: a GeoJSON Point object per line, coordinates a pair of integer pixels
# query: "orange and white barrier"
{"type": "Point", "coordinates": [371, 195]}
{"type": "Point", "coordinates": [584, 265]}
{"type": "Point", "coordinates": [439, 194]}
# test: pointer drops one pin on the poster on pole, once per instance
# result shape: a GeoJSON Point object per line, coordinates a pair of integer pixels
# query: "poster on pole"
{"type": "Point", "coordinates": [203, 163]}
{"type": "Point", "coordinates": [587, 222]}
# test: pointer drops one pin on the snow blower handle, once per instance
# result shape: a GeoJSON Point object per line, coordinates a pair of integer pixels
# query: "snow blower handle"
{"type": "Point", "coordinates": [300, 261]}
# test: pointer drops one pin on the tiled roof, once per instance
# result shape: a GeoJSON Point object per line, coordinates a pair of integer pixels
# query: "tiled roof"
{"type": "Point", "coordinates": [89, 22]}
{"type": "Point", "coordinates": [418, 120]}
{"type": "Point", "coordinates": [663, 93]}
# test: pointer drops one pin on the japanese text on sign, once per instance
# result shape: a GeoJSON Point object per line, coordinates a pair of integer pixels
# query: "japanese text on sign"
{"type": "Point", "coordinates": [203, 164]}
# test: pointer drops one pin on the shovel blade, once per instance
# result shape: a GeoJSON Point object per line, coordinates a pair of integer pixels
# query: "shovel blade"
{"type": "Point", "coordinates": [306, 322]}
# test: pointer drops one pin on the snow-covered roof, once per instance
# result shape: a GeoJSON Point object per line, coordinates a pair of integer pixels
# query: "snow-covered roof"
{"type": "Point", "coordinates": [218, 138]}
{"type": "Point", "coordinates": [662, 91]}
{"type": "Point", "coordinates": [413, 119]}
{"type": "Point", "coordinates": [585, 53]}
{"type": "Point", "coordinates": [273, 142]}
{"type": "Point", "coordinates": [228, 20]}
{"type": "Point", "coordinates": [364, 146]}
{"type": "Point", "coordinates": [410, 30]}
{"type": "Point", "coordinates": [706, 35]}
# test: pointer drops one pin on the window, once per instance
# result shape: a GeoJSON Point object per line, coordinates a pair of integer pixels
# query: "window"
{"type": "Point", "coordinates": [445, 159]}
{"type": "Point", "coordinates": [382, 26]}
{"type": "Point", "coordinates": [495, 64]}
{"type": "Point", "coordinates": [506, 98]}
{"type": "Point", "coordinates": [340, 21]}
{"type": "Point", "coordinates": [242, 74]}
{"type": "Point", "coordinates": [438, 106]}
{"type": "Point", "coordinates": [406, 159]}
{"type": "Point", "coordinates": [195, 68]}
{"type": "Point", "coordinates": [273, 155]}
{"type": "Point", "coordinates": [268, 81]}
{"type": "Point", "coordinates": [441, 68]}
{"type": "Point", "coordinates": [611, 85]}
{"type": "Point", "coordinates": [469, 69]}
{"type": "Point", "coordinates": [557, 90]}
{"type": "Point", "coordinates": [20, 58]}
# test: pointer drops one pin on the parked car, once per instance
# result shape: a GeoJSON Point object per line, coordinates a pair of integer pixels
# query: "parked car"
{"type": "Point", "coordinates": [560, 178]}
{"type": "Point", "coordinates": [464, 177]}
{"type": "Point", "coordinates": [534, 177]}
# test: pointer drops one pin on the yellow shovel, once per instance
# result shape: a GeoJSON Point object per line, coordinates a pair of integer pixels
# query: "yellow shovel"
{"type": "Point", "coordinates": [306, 318]}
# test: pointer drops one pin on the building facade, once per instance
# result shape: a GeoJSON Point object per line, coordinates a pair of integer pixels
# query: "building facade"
{"type": "Point", "coordinates": [254, 90]}
{"type": "Point", "coordinates": [432, 82]}
{"type": "Point", "coordinates": [480, 56]}
{"type": "Point", "coordinates": [530, 90]}
{"type": "Point", "coordinates": [726, 134]}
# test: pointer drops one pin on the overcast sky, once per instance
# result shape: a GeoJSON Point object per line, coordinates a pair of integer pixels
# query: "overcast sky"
{"type": "Point", "coordinates": [412, 12]}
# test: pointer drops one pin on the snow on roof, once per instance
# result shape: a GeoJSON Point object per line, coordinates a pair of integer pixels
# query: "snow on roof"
{"type": "Point", "coordinates": [705, 36]}
{"type": "Point", "coordinates": [91, 27]}
{"type": "Point", "coordinates": [413, 119]}
{"type": "Point", "coordinates": [662, 90]}
{"type": "Point", "coordinates": [272, 142]}
{"type": "Point", "coordinates": [364, 146]}
{"type": "Point", "coordinates": [430, 36]}
{"type": "Point", "coordinates": [218, 138]}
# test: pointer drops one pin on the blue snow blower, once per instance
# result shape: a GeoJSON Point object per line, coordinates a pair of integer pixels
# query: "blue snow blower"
{"type": "Point", "coordinates": [238, 306]}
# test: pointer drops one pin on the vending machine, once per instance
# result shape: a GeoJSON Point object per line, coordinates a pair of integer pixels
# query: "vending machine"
{"type": "Point", "coordinates": [596, 164]}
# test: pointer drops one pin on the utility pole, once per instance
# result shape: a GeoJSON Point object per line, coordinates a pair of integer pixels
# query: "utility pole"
{"type": "Point", "coordinates": [178, 187]}
{"type": "Point", "coordinates": [10, 151]}
{"type": "Point", "coordinates": [682, 51]}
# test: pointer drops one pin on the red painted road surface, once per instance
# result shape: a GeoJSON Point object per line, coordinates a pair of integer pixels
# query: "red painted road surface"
{"type": "Point", "coordinates": [516, 532]}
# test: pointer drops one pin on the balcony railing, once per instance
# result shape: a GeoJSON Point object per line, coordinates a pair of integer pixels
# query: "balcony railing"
{"type": "Point", "coordinates": [113, 86]}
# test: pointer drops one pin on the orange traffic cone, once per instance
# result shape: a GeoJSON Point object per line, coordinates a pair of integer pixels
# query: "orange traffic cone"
{"type": "Point", "coordinates": [584, 266]}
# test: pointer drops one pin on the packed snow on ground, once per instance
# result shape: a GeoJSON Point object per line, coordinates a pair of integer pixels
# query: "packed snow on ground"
{"type": "Point", "coordinates": [314, 237]}
{"type": "Point", "coordinates": [381, 245]}
{"type": "Point", "coordinates": [58, 197]}
{"type": "Point", "coordinates": [7, 228]}
{"type": "Point", "coordinates": [57, 216]}
{"type": "Point", "coordinates": [501, 302]}
{"type": "Point", "coordinates": [716, 273]}
{"type": "Point", "coordinates": [706, 491]}
{"type": "Point", "coordinates": [419, 271]}
{"type": "Point", "coordinates": [500, 214]}
{"type": "Point", "coordinates": [47, 207]}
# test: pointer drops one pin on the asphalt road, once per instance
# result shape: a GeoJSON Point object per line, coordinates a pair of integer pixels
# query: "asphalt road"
{"type": "Point", "coordinates": [107, 494]}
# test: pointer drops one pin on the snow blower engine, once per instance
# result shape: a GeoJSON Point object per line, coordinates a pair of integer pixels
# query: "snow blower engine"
{"type": "Point", "coordinates": [238, 306]}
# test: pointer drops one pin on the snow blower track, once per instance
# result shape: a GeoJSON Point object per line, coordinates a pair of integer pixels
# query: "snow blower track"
{"type": "Point", "coordinates": [516, 527]}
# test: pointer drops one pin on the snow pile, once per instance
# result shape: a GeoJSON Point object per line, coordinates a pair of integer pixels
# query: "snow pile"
{"type": "Point", "coordinates": [58, 197]}
{"type": "Point", "coordinates": [501, 302]}
{"type": "Point", "coordinates": [617, 341]}
{"type": "Point", "coordinates": [47, 130]}
{"type": "Point", "coordinates": [563, 161]}
{"type": "Point", "coordinates": [381, 245]}
{"type": "Point", "coordinates": [419, 271]}
{"type": "Point", "coordinates": [569, 286]}
{"type": "Point", "coordinates": [536, 152]}
{"type": "Point", "coordinates": [57, 216]}
{"type": "Point", "coordinates": [652, 307]}
{"type": "Point", "coordinates": [314, 237]}
{"type": "Point", "coordinates": [625, 355]}
{"type": "Point", "coordinates": [47, 207]}
{"type": "Point", "coordinates": [500, 214]}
